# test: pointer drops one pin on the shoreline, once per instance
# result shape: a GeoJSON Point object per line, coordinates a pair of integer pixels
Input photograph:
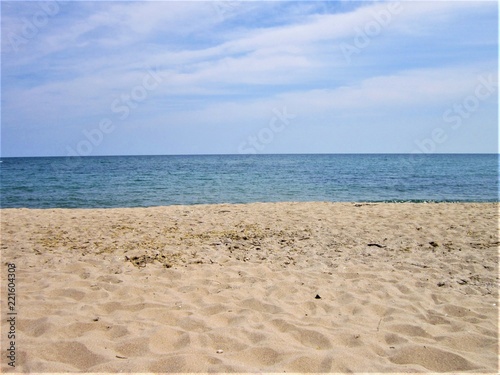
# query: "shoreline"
{"type": "Point", "coordinates": [402, 287]}
{"type": "Point", "coordinates": [363, 203]}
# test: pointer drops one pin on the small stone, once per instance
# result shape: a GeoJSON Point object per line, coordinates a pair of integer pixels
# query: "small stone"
{"type": "Point", "coordinates": [441, 283]}
{"type": "Point", "coordinates": [462, 281]}
{"type": "Point", "coordinates": [220, 351]}
{"type": "Point", "coordinates": [317, 296]}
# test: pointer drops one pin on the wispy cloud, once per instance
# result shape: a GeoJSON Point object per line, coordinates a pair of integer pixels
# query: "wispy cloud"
{"type": "Point", "coordinates": [232, 62]}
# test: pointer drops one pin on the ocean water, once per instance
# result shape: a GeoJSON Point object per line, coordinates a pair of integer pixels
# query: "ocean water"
{"type": "Point", "coordinates": [139, 181]}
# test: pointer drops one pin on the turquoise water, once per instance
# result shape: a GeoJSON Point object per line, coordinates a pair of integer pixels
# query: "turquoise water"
{"type": "Point", "coordinates": [138, 181]}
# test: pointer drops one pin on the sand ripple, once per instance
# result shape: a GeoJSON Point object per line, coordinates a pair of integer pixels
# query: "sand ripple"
{"type": "Point", "coordinates": [256, 288]}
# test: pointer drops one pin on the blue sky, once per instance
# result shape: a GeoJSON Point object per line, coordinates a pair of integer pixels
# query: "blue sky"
{"type": "Point", "coordinates": [228, 77]}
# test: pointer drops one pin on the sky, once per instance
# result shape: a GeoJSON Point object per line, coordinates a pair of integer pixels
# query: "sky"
{"type": "Point", "coordinates": [87, 78]}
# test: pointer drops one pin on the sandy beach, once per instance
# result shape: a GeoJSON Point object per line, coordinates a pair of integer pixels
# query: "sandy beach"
{"type": "Point", "coordinates": [264, 287]}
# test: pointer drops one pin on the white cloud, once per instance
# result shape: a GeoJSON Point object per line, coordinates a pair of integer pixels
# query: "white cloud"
{"type": "Point", "coordinates": [426, 91]}
{"type": "Point", "coordinates": [78, 65]}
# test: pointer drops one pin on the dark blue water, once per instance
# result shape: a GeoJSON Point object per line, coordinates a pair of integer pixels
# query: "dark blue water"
{"type": "Point", "coordinates": [133, 181]}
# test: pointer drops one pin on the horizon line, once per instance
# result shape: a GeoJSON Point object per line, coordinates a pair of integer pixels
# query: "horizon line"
{"type": "Point", "coordinates": [257, 154]}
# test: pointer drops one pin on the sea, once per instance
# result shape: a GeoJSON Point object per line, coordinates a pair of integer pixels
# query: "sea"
{"type": "Point", "coordinates": [143, 181]}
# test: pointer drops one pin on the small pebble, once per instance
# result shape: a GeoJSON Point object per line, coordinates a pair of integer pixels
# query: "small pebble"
{"type": "Point", "coordinates": [317, 296]}
{"type": "Point", "coordinates": [220, 351]}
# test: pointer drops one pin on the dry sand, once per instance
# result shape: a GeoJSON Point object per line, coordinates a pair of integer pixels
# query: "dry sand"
{"type": "Point", "coordinates": [234, 288]}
